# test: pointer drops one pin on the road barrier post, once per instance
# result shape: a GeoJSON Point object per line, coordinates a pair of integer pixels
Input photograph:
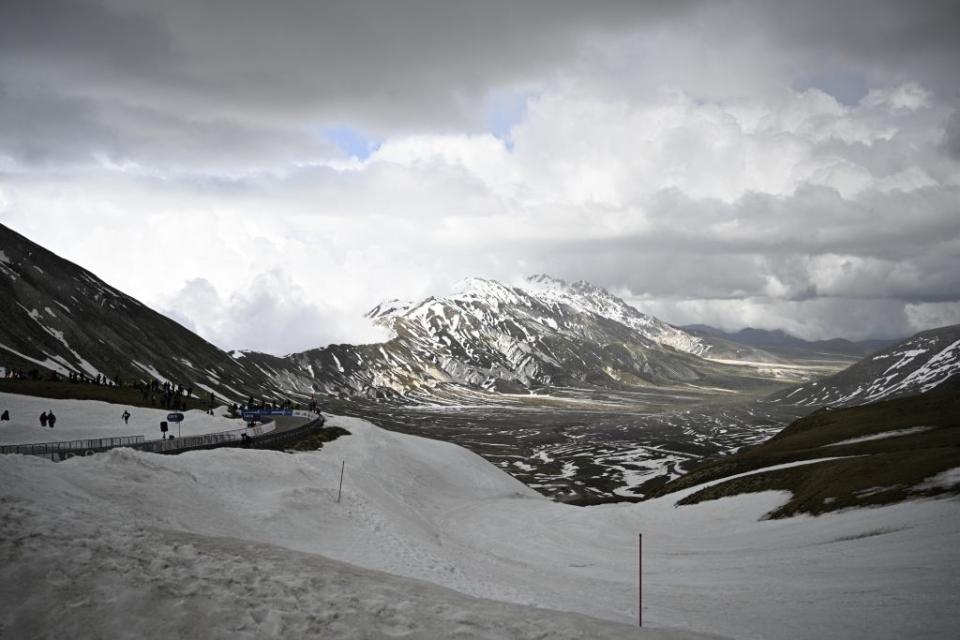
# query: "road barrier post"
{"type": "Point", "coordinates": [640, 579]}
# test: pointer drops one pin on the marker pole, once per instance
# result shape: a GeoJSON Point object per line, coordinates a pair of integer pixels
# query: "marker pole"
{"type": "Point", "coordinates": [343, 463]}
{"type": "Point", "coordinates": [640, 579]}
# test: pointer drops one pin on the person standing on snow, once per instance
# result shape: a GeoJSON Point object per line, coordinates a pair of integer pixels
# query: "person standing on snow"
{"type": "Point", "coordinates": [43, 419]}
{"type": "Point", "coordinates": [51, 418]}
{"type": "Point", "coordinates": [126, 416]}
{"type": "Point", "coordinates": [5, 415]}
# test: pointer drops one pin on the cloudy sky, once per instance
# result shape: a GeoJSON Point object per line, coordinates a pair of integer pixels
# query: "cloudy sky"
{"type": "Point", "coordinates": [265, 172]}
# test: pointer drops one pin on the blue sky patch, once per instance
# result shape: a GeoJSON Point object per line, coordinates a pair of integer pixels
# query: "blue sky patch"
{"type": "Point", "coordinates": [503, 110]}
{"type": "Point", "coordinates": [351, 141]}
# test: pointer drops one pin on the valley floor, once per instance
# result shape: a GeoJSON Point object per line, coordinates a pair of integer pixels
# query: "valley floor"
{"type": "Point", "coordinates": [593, 448]}
{"type": "Point", "coordinates": [237, 543]}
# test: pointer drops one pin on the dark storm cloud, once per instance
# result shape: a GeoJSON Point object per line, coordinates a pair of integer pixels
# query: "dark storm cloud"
{"type": "Point", "coordinates": [120, 77]}
{"type": "Point", "coordinates": [815, 220]}
{"type": "Point", "coordinates": [61, 131]}
{"type": "Point", "coordinates": [915, 40]}
{"type": "Point", "coordinates": [897, 246]}
{"type": "Point", "coordinates": [952, 136]}
{"type": "Point", "coordinates": [84, 34]}
{"type": "Point", "coordinates": [375, 63]}
{"type": "Point", "coordinates": [668, 149]}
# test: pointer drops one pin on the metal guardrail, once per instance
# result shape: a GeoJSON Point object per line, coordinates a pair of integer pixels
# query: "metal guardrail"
{"type": "Point", "coordinates": [60, 446]}
{"type": "Point", "coordinates": [272, 439]}
{"type": "Point", "coordinates": [259, 437]}
{"type": "Point", "coordinates": [276, 439]}
{"type": "Point", "coordinates": [203, 441]}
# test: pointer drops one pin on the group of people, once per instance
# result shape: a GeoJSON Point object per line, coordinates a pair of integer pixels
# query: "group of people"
{"type": "Point", "coordinates": [98, 379]}
{"type": "Point", "coordinates": [168, 394]}
{"type": "Point", "coordinates": [20, 374]}
{"type": "Point", "coordinates": [260, 405]}
{"type": "Point", "coordinates": [47, 419]}
{"type": "Point", "coordinates": [73, 377]}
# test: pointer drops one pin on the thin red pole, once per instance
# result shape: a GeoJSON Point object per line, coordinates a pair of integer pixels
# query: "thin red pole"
{"type": "Point", "coordinates": [640, 580]}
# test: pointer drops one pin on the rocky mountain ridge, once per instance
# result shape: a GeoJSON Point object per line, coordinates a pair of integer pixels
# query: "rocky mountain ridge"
{"type": "Point", "coordinates": [488, 340]}
{"type": "Point", "coordinates": [62, 319]}
{"type": "Point", "coordinates": [782, 343]}
{"type": "Point", "coordinates": [928, 361]}
{"type": "Point", "coordinates": [492, 337]}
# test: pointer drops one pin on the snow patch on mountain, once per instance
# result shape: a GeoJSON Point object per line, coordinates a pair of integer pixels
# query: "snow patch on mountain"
{"type": "Point", "coordinates": [587, 298]}
{"type": "Point", "coordinates": [923, 363]}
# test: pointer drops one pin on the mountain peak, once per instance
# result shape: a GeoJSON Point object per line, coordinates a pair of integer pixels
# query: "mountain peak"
{"type": "Point", "coordinates": [388, 308]}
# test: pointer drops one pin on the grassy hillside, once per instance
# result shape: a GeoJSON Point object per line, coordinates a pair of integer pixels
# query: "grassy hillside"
{"type": "Point", "coordinates": [888, 468]}
{"type": "Point", "coordinates": [80, 391]}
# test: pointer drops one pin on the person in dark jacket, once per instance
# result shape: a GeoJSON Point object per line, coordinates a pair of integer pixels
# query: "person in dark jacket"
{"type": "Point", "coordinates": [5, 415]}
{"type": "Point", "coordinates": [43, 419]}
{"type": "Point", "coordinates": [126, 416]}
{"type": "Point", "coordinates": [51, 419]}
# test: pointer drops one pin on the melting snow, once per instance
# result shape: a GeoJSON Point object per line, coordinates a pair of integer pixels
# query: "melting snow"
{"type": "Point", "coordinates": [880, 436]}
{"type": "Point", "coordinates": [946, 480]}
{"type": "Point", "coordinates": [220, 521]}
{"type": "Point", "coordinates": [48, 363]}
{"type": "Point", "coordinates": [151, 370]}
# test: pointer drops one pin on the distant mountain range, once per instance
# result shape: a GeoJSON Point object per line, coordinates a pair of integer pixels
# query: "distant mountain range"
{"type": "Point", "coordinates": [782, 343]}
{"type": "Point", "coordinates": [487, 338]}
{"type": "Point", "coordinates": [491, 337]}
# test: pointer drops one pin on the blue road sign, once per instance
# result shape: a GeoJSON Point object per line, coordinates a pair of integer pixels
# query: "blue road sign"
{"type": "Point", "coordinates": [175, 417]}
{"type": "Point", "coordinates": [259, 414]}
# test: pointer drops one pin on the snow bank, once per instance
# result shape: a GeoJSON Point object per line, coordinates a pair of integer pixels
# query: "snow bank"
{"type": "Point", "coordinates": [77, 419]}
{"type": "Point", "coordinates": [896, 433]}
{"type": "Point", "coordinates": [247, 540]}
{"type": "Point", "coordinates": [944, 480]}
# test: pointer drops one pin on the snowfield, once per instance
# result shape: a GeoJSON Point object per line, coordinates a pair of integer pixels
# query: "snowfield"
{"type": "Point", "coordinates": [250, 544]}
{"type": "Point", "coordinates": [78, 419]}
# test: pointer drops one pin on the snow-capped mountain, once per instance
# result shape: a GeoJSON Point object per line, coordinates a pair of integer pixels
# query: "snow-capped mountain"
{"type": "Point", "coordinates": [61, 318]}
{"type": "Point", "coordinates": [927, 361]}
{"type": "Point", "coordinates": [587, 298]}
{"type": "Point", "coordinates": [489, 336]}
{"type": "Point", "coordinates": [486, 337]}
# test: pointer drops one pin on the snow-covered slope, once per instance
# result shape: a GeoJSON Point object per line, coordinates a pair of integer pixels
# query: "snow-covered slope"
{"type": "Point", "coordinates": [209, 544]}
{"type": "Point", "coordinates": [929, 360]}
{"type": "Point", "coordinates": [588, 298]}
{"type": "Point", "coordinates": [81, 419]}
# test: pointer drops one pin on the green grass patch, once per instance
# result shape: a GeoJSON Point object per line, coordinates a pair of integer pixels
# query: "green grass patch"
{"type": "Point", "coordinates": [874, 472]}
{"type": "Point", "coordinates": [80, 391]}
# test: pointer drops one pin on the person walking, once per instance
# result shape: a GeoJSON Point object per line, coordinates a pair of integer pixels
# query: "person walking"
{"type": "Point", "coordinates": [126, 416]}
{"type": "Point", "coordinates": [43, 419]}
{"type": "Point", "coordinates": [5, 415]}
{"type": "Point", "coordinates": [51, 418]}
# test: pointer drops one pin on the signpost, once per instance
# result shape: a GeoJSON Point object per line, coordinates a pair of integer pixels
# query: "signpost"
{"type": "Point", "coordinates": [175, 417]}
